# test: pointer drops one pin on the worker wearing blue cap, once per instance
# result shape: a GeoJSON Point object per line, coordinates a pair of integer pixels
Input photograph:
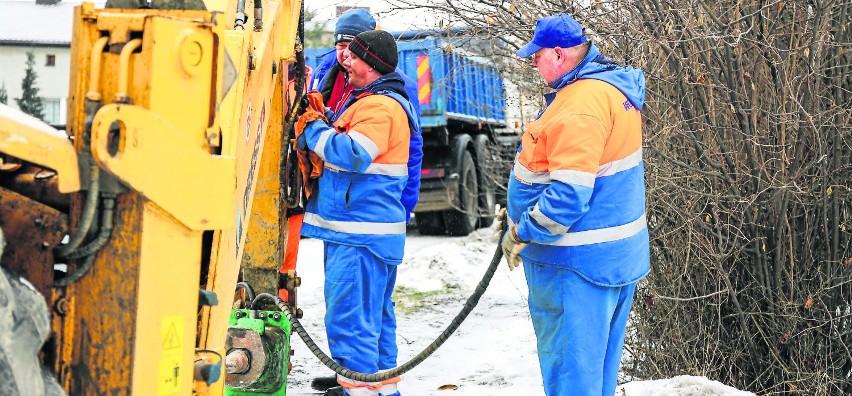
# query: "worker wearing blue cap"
{"type": "Point", "coordinates": [330, 77]}
{"type": "Point", "coordinates": [576, 208]}
{"type": "Point", "coordinates": [331, 80]}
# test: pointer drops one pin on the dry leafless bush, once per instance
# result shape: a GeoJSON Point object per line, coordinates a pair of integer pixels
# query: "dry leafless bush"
{"type": "Point", "coordinates": [749, 166]}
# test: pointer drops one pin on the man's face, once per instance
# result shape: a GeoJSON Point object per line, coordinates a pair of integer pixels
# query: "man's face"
{"type": "Point", "coordinates": [341, 47]}
{"type": "Point", "coordinates": [548, 61]}
{"type": "Point", "coordinates": [360, 73]}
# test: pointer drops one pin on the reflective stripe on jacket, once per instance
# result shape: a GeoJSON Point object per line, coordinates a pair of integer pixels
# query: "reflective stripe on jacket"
{"type": "Point", "coordinates": [366, 157]}
{"type": "Point", "coordinates": [577, 189]}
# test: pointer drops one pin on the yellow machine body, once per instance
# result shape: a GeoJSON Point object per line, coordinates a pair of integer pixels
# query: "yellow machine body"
{"type": "Point", "coordinates": [185, 113]}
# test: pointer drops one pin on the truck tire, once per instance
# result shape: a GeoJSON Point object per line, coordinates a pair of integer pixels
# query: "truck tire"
{"type": "Point", "coordinates": [464, 219]}
{"type": "Point", "coordinates": [487, 174]}
{"type": "Point", "coordinates": [429, 223]}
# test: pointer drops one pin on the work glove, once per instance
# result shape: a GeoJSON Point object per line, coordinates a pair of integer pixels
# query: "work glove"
{"type": "Point", "coordinates": [313, 111]}
{"type": "Point", "coordinates": [512, 246]}
{"type": "Point", "coordinates": [310, 164]}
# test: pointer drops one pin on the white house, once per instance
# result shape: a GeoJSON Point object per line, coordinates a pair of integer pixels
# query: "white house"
{"type": "Point", "coordinates": [44, 30]}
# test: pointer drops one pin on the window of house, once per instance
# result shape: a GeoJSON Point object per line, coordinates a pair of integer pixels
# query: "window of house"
{"type": "Point", "coordinates": [51, 110]}
{"type": "Point", "coordinates": [51, 60]}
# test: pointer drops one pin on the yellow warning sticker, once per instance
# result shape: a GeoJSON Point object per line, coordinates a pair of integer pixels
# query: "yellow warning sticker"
{"type": "Point", "coordinates": [170, 369]}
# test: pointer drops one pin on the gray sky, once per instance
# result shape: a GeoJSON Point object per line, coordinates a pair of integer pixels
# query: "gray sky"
{"type": "Point", "coordinates": [396, 21]}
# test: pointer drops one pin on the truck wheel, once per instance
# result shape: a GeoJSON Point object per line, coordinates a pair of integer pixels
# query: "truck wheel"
{"type": "Point", "coordinates": [486, 171]}
{"type": "Point", "coordinates": [463, 220]}
{"type": "Point", "coordinates": [429, 223]}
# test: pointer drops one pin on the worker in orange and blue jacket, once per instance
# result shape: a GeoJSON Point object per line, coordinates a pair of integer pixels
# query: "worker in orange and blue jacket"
{"type": "Point", "coordinates": [331, 80]}
{"type": "Point", "coordinates": [359, 212]}
{"type": "Point", "coordinates": [576, 206]}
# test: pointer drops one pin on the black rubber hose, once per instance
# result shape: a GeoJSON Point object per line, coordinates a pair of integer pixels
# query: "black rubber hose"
{"type": "Point", "coordinates": [258, 15]}
{"type": "Point", "coordinates": [289, 176]}
{"type": "Point", "coordinates": [90, 251]}
{"type": "Point", "coordinates": [73, 277]}
{"type": "Point", "coordinates": [104, 232]}
{"type": "Point", "coordinates": [249, 291]}
{"type": "Point", "coordinates": [407, 366]}
{"type": "Point", "coordinates": [88, 214]}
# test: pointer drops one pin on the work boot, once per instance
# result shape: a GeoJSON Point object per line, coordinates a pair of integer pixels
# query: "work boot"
{"type": "Point", "coordinates": [323, 383]}
{"type": "Point", "coordinates": [334, 391]}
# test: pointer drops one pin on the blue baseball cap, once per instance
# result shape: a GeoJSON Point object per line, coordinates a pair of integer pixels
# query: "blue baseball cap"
{"type": "Point", "coordinates": [351, 23]}
{"type": "Point", "coordinates": [558, 30]}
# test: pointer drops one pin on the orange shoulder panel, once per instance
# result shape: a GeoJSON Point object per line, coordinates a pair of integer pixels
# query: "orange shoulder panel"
{"type": "Point", "coordinates": [382, 120]}
{"type": "Point", "coordinates": [589, 123]}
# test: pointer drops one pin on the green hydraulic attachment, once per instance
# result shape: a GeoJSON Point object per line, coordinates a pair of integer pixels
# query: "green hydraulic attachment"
{"type": "Point", "coordinates": [258, 353]}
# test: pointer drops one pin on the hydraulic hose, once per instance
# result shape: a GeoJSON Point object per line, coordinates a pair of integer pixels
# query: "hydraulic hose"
{"type": "Point", "coordinates": [413, 362]}
{"type": "Point", "coordinates": [290, 180]}
{"type": "Point", "coordinates": [93, 104]}
{"type": "Point", "coordinates": [86, 217]}
{"type": "Point", "coordinates": [249, 291]}
{"type": "Point", "coordinates": [240, 16]}
{"type": "Point", "coordinates": [104, 232]}
{"type": "Point", "coordinates": [89, 251]}
{"type": "Point", "coordinates": [258, 15]}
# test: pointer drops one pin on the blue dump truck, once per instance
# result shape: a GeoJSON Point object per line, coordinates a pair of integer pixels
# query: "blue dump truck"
{"type": "Point", "coordinates": [467, 147]}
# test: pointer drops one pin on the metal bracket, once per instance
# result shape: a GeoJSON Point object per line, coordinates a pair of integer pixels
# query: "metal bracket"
{"type": "Point", "coordinates": [164, 165]}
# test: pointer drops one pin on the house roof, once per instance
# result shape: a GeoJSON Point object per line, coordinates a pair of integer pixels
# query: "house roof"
{"type": "Point", "coordinates": [28, 23]}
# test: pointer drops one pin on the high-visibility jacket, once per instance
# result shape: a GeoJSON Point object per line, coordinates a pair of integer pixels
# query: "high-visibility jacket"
{"type": "Point", "coordinates": [577, 189]}
{"type": "Point", "coordinates": [366, 154]}
{"type": "Point", "coordinates": [327, 77]}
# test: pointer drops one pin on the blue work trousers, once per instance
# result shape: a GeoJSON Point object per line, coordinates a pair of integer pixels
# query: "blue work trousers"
{"type": "Point", "coordinates": [580, 329]}
{"type": "Point", "coordinates": [359, 318]}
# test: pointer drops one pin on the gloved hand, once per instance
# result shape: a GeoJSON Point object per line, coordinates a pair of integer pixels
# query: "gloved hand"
{"type": "Point", "coordinates": [315, 101]}
{"type": "Point", "coordinates": [500, 225]}
{"type": "Point", "coordinates": [328, 113]}
{"type": "Point", "coordinates": [310, 164]}
{"type": "Point", "coordinates": [512, 246]}
{"type": "Point", "coordinates": [314, 111]}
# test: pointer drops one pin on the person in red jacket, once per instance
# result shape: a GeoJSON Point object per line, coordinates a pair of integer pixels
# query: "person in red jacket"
{"type": "Point", "coordinates": [576, 209]}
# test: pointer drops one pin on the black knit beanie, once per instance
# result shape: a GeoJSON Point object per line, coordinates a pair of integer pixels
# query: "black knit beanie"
{"type": "Point", "coordinates": [376, 48]}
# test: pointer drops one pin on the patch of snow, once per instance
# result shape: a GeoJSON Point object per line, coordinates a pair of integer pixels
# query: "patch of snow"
{"type": "Point", "coordinates": [683, 385]}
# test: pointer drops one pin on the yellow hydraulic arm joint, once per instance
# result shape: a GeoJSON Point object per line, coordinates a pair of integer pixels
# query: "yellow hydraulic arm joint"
{"type": "Point", "coordinates": [165, 149]}
{"type": "Point", "coordinates": [179, 176]}
{"type": "Point", "coordinates": [28, 138]}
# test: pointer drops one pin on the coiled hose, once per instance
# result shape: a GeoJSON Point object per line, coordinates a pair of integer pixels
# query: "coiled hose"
{"type": "Point", "coordinates": [420, 357]}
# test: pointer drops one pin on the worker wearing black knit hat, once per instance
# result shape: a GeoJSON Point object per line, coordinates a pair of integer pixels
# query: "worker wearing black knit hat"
{"type": "Point", "coordinates": [374, 148]}
{"type": "Point", "coordinates": [377, 48]}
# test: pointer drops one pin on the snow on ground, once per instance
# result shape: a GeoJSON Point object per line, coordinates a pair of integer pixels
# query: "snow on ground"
{"type": "Point", "coordinates": [493, 353]}
{"type": "Point", "coordinates": [684, 385]}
